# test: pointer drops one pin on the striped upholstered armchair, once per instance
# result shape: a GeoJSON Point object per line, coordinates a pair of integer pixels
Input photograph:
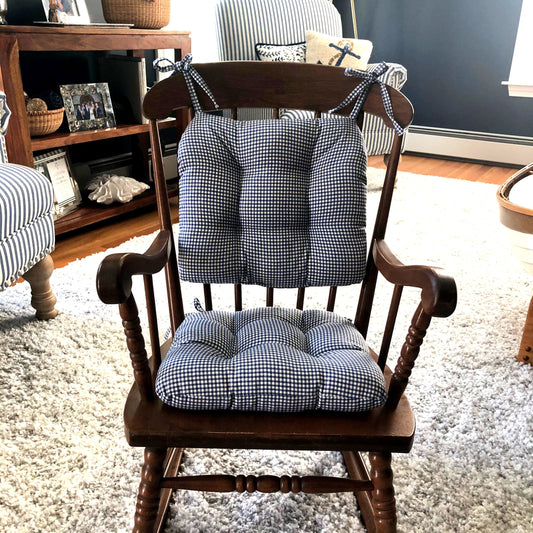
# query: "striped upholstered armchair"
{"type": "Point", "coordinates": [26, 227]}
{"type": "Point", "coordinates": [241, 24]}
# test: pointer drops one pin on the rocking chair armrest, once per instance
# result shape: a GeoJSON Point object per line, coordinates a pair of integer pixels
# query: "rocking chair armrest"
{"type": "Point", "coordinates": [114, 277]}
{"type": "Point", "coordinates": [439, 292]}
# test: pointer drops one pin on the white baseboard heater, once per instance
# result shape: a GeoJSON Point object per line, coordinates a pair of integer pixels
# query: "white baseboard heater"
{"type": "Point", "coordinates": [485, 147]}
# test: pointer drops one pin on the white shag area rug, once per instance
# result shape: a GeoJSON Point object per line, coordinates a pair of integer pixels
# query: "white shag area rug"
{"type": "Point", "coordinates": [66, 467]}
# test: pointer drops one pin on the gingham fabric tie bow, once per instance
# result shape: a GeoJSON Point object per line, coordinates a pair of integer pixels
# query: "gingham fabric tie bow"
{"type": "Point", "coordinates": [190, 74]}
{"type": "Point", "coordinates": [360, 93]}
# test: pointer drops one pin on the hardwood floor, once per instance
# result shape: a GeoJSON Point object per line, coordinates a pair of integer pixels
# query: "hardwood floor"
{"type": "Point", "coordinates": [109, 234]}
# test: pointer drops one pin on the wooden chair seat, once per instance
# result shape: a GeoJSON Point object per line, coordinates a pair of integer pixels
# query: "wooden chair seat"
{"type": "Point", "coordinates": [152, 423]}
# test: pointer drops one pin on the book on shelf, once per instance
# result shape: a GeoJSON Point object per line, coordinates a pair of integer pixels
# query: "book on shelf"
{"type": "Point", "coordinates": [126, 77]}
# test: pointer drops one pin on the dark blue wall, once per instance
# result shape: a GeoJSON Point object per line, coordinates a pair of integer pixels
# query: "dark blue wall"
{"type": "Point", "coordinates": [457, 53]}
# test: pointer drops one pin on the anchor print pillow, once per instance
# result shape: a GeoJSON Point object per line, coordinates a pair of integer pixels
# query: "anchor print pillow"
{"type": "Point", "coordinates": [337, 51]}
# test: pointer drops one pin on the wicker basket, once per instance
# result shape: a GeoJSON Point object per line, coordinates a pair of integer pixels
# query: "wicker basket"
{"type": "Point", "coordinates": [149, 14]}
{"type": "Point", "coordinates": [45, 122]}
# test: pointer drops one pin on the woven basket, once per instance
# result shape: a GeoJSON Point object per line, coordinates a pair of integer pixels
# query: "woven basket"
{"type": "Point", "coordinates": [148, 14]}
{"type": "Point", "coordinates": [45, 122]}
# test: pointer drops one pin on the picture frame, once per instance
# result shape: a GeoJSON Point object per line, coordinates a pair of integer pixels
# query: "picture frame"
{"type": "Point", "coordinates": [88, 106]}
{"type": "Point", "coordinates": [55, 165]}
{"type": "Point", "coordinates": [66, 11]}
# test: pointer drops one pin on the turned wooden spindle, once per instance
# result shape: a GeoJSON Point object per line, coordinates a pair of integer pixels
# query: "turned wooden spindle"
{"type": "Point", "coordinates": [136, 347]}
{"type": "Point", "coordinates": [266, 484]}
{"type": "Point", "coordinates": [383, 501]}
{"type": "Point", "coordinates": [149, 490]}
{"type": "Point", "coordinates": [408, 355]}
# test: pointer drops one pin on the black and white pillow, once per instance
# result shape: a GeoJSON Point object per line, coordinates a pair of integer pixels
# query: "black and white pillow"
{"type": "Point", "coordinates": [280, 52]}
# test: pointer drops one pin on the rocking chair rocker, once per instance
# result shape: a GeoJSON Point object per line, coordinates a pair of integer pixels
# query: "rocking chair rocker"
{"type": "Point", "coordinates": [279, 204]}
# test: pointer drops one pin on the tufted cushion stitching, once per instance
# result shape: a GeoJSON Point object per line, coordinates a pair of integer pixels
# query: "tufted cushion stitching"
{"type": "Point", "coordinates": [279, 360]}
{"type": "Point", "coordinates": [273, 203]}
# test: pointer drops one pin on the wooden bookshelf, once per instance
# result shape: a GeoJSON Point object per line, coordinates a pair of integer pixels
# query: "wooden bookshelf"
{"type": "Point", "coordinates": [20, 145]}
{"type": "Point", "coordinates": [67, 139]}
{"type": "Point", "coordinates": [88, 214]}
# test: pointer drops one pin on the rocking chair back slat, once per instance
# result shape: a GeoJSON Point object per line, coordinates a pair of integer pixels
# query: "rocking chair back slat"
{"type": "Point", "coordinates": [152, 323]}
{"type": "Point", "coordinates": [389, 327]}
{"type": "Point", "coordinates": [269, 297]}
{"type": "Point", "coordinates": [331, 299]}
{"type": "Point", "coordinates": [238, 297]}
{"type": "Point", "coordinates": [175, 301]}
{"type": "Point", "coordinates": [300, 298]}
{"type": "Point", "coordinates": [368, 286]}
{"type": "Point", "coordinates": [208, 299]}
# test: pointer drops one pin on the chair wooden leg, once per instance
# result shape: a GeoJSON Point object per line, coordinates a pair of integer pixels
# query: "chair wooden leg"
{"type": "Point", "coordinates": [149, 490]}
{"type": "Point", "coordinates": [525, 354]}
{"type": "Point", "coordinates": [357, 470]}
{"type": "Point", "coordinates": [42, 297]}
{"type": "Point", "coordinates": [383, 501]}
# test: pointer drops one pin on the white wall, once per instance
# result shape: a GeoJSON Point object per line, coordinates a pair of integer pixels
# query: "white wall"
{"type": "Point", "coordinates": [198, 17]}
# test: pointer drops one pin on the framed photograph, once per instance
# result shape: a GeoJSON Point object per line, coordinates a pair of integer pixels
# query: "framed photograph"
{"type": "Point", "coordinates": [88, 106]}
{"type": "Point", "coordinates": [66, 11]}
{"type": "Point", "coordinates": [56, 167]}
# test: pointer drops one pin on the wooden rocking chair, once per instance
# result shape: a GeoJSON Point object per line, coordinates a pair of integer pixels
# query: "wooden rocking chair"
{"type": "Point", "coordinates": [166, 429]}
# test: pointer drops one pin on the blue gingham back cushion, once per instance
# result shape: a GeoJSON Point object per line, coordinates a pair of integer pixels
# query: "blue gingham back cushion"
{"type": "Point", "coordinates": [276, 203]}
{"type": "Point", "coordinates": [270, 359]}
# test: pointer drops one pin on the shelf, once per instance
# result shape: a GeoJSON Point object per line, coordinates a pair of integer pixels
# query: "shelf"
{"type": "Point", "coordinates": [67, 139]}
{"type": "Point", "coordinates": [71, 38]}
{"type": "Point", "coordinates": [89, 214]}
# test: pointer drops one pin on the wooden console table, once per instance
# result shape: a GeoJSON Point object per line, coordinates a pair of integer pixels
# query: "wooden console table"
{"type": "Point", "coordinates": [15, 39]}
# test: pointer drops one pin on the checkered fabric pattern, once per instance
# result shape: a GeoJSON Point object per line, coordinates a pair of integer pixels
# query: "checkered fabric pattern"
{"type": "Point", "coordinates": [190, 75]}
{"type": "Point", "coordinates": [378, 137]}
{"type": "Point", "coordinates": [359, 94]}
{"type": "Point", "coordinates": [270, 359]}
{"type": "Point", "coordinates": [275, 203]}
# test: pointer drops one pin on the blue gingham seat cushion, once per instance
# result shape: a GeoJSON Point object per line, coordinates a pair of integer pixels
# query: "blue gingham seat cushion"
{"type": "Point", "coordinates": [276, 203]}
{"type": "Point", "coordinates": [270, 359]}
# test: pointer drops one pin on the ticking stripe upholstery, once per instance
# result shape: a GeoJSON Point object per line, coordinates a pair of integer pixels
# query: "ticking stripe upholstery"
{"type": "Point", "coordinates": [270, 359]}
{"type": "Point", "coordinates": [241, 24]}
{"type": "Point", "coordinates": [278, 203]}
{"type": "Point", "coordinates": [26, 223]}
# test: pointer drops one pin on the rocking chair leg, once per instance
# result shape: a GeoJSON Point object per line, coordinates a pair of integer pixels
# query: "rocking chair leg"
{"type": "Point", "coordinates": [383, 501]}
{"type": "Point", "coordinates": [357, 470]}
{"type": "Point", "coordinates": [149, 490]}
